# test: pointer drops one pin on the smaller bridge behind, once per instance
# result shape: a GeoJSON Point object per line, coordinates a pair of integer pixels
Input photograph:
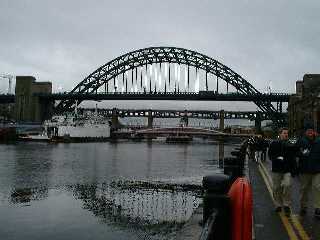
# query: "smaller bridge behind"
{"type": "Point", "coordinates": [170, 113]}
{"type": "Point", "coordinates": [185, 131]}
{"type": "Point", "coordinates": [182, 131]}
{"type": "Point", "coordinates": [184, 115]}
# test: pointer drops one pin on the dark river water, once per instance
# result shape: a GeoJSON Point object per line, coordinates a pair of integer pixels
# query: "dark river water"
{"type": "Point", "coordinates": [100, 190]}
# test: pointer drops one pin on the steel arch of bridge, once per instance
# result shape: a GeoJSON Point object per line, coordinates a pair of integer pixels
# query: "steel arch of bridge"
{"type": "Point", "coordinates": [153, 55]}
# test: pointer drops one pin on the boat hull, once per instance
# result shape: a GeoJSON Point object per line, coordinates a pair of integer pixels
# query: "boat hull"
{"type": "Point", "coordinates": [8, 134]}
{"type": "Point", "coordinates": [179, 139]}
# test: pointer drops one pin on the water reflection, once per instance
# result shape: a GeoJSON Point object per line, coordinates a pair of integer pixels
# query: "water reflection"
{"type": "Point", "coordinates": [154, 208]}
{"type": "Point", "coordinates": [26, 195]}
{"type": "Point", "coordinates": [140, 207]}
{"type": "Point", "coordinates": [32, 165]}
{"type": "Point", "coordinates": [221, 152]}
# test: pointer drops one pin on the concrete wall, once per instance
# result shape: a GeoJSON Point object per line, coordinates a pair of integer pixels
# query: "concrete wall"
{"type": "Point", "coordinates": [29, 108]}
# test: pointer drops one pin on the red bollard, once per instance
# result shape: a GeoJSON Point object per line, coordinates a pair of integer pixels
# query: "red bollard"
{"type": "Point", "coordinates": [240, 195]}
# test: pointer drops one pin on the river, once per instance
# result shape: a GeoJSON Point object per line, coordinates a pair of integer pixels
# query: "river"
{"type": "Point", "coordinates": [100, 190]}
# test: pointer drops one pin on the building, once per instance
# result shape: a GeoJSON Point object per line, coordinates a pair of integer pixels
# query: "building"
{"type": "Point", "coordinates": [304, 105]}
{"type": "Point", "coordinates": [28, 106]}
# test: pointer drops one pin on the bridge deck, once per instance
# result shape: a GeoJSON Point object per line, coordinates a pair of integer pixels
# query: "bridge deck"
{"type": "Point", "coordinates": [191, 96]}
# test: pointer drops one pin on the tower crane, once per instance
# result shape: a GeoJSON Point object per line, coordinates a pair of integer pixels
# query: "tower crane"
{"type": "Point", "coordinates": [9, 77]}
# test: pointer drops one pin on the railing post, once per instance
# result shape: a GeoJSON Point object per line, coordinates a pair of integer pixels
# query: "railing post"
{"type": "Point", "coordinates": [114, 119]}
{"type": "Point", "coordinates": [234, 166]}
{"type": "Point", "coordinates": [215, 198]}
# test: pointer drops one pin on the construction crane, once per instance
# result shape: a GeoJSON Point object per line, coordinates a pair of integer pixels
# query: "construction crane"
{"type": "Point", "coordinates": [9, 77]}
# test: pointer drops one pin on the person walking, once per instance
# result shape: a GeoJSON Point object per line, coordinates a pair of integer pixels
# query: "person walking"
{"type": "Point", "coordinates": [283, 166]}
{"type": "Point", "coordinates": [251, 149]}
{"type": "Point", "coordinates": [265, 146]}
{"type": "Point", "coordinates": [261, 148]}
{"type": "Point", "coordinates": [257, 147]}
{"type": "Point", "coordinates": [309, 169]}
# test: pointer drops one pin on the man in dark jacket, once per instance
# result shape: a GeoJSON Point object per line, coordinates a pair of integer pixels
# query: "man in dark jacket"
{"type": "Point", "coordinates": [283, 166]}
{"type": "Point", "coordinates": [309, 168]}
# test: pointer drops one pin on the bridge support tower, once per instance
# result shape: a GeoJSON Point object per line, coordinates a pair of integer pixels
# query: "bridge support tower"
{"type": "Point", "coordinates": [221, 125]}
{"type": "Point", "coordinates": [28, 107]}
{"type": "Point", "coordinates": [185, 119]}
{"type": "Point", "coordinates": [114, 119]}
{"type": "Point", "coordinates": [150, 119]}
{"type": "Point", "coordinates": [257, 123]}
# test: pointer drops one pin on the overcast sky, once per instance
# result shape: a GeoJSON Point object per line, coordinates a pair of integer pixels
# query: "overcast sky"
{"type": "Point", "coordinates": [64, 41]}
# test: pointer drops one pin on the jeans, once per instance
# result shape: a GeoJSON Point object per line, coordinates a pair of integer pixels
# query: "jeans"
{"type": "Point", "coordinates": [282, 188]}
{"type": "Point", "coordinates": [310, 182]}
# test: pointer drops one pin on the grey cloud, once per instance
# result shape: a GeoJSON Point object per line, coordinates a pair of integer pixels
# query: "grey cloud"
{"type": "Point", "coordinates": [64, 41]}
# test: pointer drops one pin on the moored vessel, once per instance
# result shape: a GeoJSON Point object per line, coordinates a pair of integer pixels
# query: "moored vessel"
{"type": "Point", "coordinates": [178, 139]}
{"type": "Point", "coordinates": [77, 129]}
{"type": "Point", "coordinates": [7, 133]}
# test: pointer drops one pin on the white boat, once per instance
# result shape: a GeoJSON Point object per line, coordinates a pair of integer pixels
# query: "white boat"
{"type": "Point", "coordinates": [84, 130]}
{"type": "Point", "coordinates": [73, 128]}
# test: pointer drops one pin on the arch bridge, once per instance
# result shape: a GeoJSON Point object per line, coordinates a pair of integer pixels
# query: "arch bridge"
{"type": "Point", "coordinates": [164, 73]}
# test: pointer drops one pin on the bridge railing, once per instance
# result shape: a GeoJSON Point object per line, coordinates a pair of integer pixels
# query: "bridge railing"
{"type": "Point", "coordinates": [172, 92]}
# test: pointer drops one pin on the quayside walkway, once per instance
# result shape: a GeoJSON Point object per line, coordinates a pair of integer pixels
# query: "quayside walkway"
{"type": "Point", "coordinates": [267, 224]}
{"type": "Point", "coordinates": [271, 225]}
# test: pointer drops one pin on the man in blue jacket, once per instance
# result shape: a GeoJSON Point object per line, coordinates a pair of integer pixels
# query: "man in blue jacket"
{"type": "Point", "coordinates": [309, 168]}
{"type": "Point", "coordinates": [283, 166]}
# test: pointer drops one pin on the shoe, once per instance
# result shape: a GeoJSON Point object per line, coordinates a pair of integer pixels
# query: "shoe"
{"type": "Point", "coordinates": [303, 211]}
{"type": "Point", "coordinates": [278, 209]}
{"type": "Point", "coordinates": [317, 213]}
{"type": "Point", "coordinates": [287, 211]}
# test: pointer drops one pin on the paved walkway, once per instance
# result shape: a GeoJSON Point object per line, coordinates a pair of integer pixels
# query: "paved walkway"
{"type": "Point", "coordinates": [296, 227]}
{"type": "Point", "coordinates": [267, 223]}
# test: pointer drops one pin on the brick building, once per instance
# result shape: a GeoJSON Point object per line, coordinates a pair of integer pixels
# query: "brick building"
{"type": "Point", "coordinates": [304, 106]}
